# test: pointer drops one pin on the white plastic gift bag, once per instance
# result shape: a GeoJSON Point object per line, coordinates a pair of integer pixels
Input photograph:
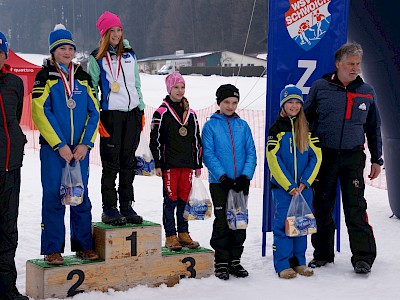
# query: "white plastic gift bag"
{"type": "Point", "coordinates": [71, 189]}
{"type": "Point", "coordinates": [145, 162]}
{"type": "Point", "coordinates": [198, 206]}
{"type": "Point", "coordinates": [236, 210]}
{"type": "Point", "coordinates": [299, 220]}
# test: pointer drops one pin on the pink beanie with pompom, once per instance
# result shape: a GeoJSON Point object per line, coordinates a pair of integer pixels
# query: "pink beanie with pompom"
{"type": "Point", "coordinates": [106, 21]}
{"type": "Point", "coordinates": [173, 79]}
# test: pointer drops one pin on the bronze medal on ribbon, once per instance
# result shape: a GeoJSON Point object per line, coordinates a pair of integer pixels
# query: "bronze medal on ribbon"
{"type": "Point", "coordinates": [183, 131]}
{"type": "Point", "coordinates": [71, 103]}
{"type": "Point", "coordinates": [115, 87]}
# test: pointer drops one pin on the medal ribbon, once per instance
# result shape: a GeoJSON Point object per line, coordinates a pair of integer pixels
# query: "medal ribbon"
{"type": "Point", "coordinates": [108, 58]}
{"type": "Point", "coordinates": [68, 86]}
{"type": "Point", "coordinates": [175, 115]}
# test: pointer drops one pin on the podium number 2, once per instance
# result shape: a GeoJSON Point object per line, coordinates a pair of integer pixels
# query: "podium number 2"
{"type": "Point", "coordinates": [81, 277]}
{"type": "Point", "coordinates": [133, 239]}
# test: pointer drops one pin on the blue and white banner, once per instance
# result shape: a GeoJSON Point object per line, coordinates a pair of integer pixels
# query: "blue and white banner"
{"type": "Point", "coordinates": [303, 37]}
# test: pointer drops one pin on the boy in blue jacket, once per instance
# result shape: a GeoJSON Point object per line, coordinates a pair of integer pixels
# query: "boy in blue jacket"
{"type": "Point", "coordinates": [230, 156]}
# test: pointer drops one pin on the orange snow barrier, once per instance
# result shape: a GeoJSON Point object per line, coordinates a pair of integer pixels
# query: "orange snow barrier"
{"type": "Point", "coordinates": [256, 121]}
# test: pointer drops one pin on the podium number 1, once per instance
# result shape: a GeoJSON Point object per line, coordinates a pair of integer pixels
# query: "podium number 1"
{"type": "Point", "coordinates": [133, 239]}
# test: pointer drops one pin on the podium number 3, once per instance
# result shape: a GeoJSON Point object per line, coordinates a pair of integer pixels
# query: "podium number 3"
{"type": "Point", "coordinates": [81, 277]}
{"type": "Point", "coordinates": [190, 268]}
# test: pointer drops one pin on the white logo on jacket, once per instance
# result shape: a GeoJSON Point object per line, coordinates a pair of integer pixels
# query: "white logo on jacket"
{"type": "Point", "coordinates": [362, 106]}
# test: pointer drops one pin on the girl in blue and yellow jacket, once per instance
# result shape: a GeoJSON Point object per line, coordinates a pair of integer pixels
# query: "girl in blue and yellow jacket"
{"type": "Point", "coordinates": [294, 158]}
{"type": "Point", "coordinates": [66, 113]}
{"type": "Point", "coordinates": [230, 156]}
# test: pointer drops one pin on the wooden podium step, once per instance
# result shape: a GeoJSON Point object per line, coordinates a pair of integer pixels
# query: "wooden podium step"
{"type": "Point", "coordinates": [130, 255]}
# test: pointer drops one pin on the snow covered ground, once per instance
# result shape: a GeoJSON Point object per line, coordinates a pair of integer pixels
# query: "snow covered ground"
{"type": "Point", "coordinates": [336, 281]}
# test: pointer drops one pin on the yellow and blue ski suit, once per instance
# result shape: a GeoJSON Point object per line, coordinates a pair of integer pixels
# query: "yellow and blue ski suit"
{"type": "Point", "coordinates": [59, 126]}
{"type": "Point", "coordinates": [289, 167]}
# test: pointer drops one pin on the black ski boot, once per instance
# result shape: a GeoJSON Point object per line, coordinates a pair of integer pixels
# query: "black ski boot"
{"type": "Point", "coordinates": [221, 271]}
{"type": "Point", "coordinates": [316, 263]}
{"type": "Point", "coordinates": [14, 294]}
{"type": "Point", "coordinates": [362, 267]}
{"type": "Point", "coordinates": [236, 269]}
{"type": "Point", "coordinates": [131, 216]}
{"type": "Point", "coordinates": [111, 216]}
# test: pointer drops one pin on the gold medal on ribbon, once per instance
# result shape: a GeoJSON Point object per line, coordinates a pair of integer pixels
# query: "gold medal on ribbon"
{"type": "Point", "coordinates": [71, 103]}
{"type": "Point", "coordinates": [183, 131]}
{"type": "Point", "coordinates": [115, 87]}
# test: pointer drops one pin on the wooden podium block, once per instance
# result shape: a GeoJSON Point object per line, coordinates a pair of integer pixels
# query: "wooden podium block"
{"type": "Point", "coordinates": [131, 255]}
{"type": "Point", "coordinates": [120, 242]}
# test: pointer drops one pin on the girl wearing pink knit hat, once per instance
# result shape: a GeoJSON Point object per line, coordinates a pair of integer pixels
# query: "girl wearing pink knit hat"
{"type": "Point", "coordinates": [175, 143]}
{"type": "Point", "coordinates": [114, 70]}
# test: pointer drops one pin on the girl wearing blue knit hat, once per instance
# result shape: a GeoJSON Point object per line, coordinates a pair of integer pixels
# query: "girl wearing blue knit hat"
{"type": "Point", "coordinates": [294, 158]}
{"type": "Point", "coordinates": [66, 112]}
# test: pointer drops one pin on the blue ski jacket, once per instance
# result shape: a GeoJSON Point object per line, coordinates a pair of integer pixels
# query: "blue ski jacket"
{"type": "Point", "coordinates": [288, 166]}
{"type": "Point", "coordinates": [228, 147]}
{"type": "Point", "coordinates": [342, 116]}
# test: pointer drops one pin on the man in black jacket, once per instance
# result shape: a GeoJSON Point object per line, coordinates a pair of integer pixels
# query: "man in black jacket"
{"type": "Point", "coordinates": [12, 141]}
{"type": "Point", "coordinates": [342, 110]}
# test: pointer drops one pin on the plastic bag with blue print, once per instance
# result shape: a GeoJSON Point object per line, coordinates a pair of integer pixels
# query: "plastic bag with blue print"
{"type": "Point", "coordinates": [236, 210]}
{"type": "Point", "coordinates": [299, 220]}
{"type": "Point", "coordinates": [71, 189]}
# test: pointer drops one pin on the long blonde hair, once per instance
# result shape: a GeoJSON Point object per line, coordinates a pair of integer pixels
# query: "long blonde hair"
{"type": "Point", "coordinates": [301, 130]}
{"type": "Point", "coordinates": [104, 44]}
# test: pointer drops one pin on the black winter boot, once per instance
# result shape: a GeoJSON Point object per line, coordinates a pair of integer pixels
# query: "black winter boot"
{"type": "Point", "coordinates": [221, 271]}
{"type": "Point", "coordinates": [131, 216]}
{"type": "Point", "coordinates": [362, 267]}
{"type": "Point", "coordinates": [14, 294]}
{"type": "Point", "coordinates": [316, 263]}
{"type": "Point", "coordinates": [111, 216]}
{"type": "Point", "coordinates": [236, 269]}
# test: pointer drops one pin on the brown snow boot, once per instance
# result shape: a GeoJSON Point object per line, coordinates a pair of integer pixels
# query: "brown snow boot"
{"type": "Point", "coordinates": [171, 242]}
{"type": "Point", "coordinates": [54, 259]}
{"type": "Point", "coordinates": [303, 270]}
{"type": "Point", "coordinates": [186, 241]}
{"type": "Point", "coordinates": [287, 273]}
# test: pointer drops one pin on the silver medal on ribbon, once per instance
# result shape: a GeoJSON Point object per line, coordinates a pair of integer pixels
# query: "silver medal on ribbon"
{"type": "Point", "coordinates": [71, 104]}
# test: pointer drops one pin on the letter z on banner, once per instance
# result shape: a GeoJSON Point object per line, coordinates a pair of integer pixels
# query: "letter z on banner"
{"type": "Point", "coordinates": [303, 36]}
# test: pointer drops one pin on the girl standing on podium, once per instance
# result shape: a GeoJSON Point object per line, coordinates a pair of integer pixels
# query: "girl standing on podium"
{"type": "Point", "coordinates": [66, 113]}
{"type": "Point", "coordinates": [113, 68]}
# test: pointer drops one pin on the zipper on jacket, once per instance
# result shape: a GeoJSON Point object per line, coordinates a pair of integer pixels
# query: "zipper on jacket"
{"type": "Point", "coordinates": [233, 147]}
{"type": "Point", "coordinates": [71, 118]}
{"type": "Point", "coordinates": [294, 150]}
{"type": "Point", "coordinates": [8, 150]}
{"type": "Point", "coordinates": [126, 87]}
{"type": "Point", "coordinates": [343, 123]}
{"type": "Point", "coordinates": [345, 111]}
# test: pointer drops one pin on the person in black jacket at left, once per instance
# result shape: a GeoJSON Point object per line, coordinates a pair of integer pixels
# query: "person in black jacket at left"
{"type": "Point", "coordinates": [12, 142]}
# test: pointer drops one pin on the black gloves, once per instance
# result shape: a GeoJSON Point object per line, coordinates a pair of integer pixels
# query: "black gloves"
{"type": "Point", "coordinates": [227, 183]}
{"type": "Point", "coordinates": [242, 184]}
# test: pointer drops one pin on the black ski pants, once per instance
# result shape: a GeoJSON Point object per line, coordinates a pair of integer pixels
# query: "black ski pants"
{"type": "Point", "coordinates": [348, 167]}
{"type": "Point", "coordinates": [10, 183]}
{"type": "Point", "coordinates": [117, 154]}
{"type": "Point", "coordinates": [227, 243]}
